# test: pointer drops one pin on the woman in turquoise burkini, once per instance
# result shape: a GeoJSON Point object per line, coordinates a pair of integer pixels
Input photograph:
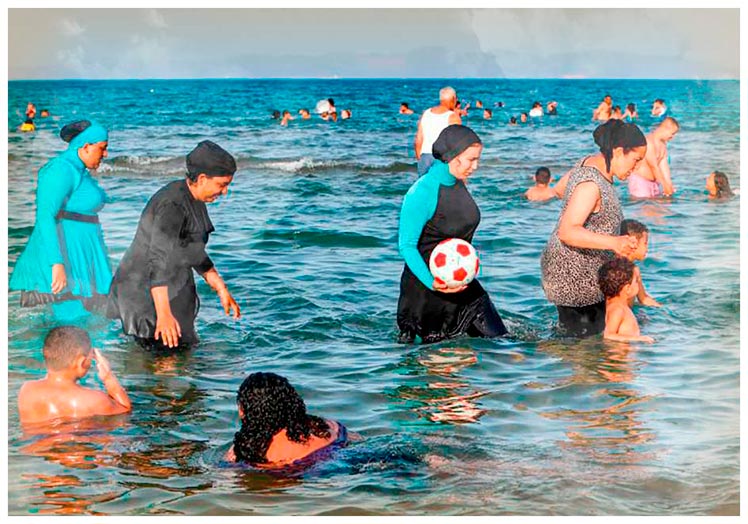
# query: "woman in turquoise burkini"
{"type": "Point", "coordinates": [65, 262]}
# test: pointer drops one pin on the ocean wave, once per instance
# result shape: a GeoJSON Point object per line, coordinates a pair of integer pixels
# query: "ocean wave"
{"type": "Point", "coordinates": [170, 165]}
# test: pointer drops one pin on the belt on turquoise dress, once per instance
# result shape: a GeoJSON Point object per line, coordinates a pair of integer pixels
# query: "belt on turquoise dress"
{"type": "Point", "coordinates": [78, 217]}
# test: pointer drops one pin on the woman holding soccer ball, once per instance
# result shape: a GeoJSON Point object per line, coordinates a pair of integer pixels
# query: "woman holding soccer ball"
{"type": "Point", "coordinates": [436, 208]}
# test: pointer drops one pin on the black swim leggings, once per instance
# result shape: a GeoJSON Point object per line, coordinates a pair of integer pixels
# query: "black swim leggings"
{"type": "Point", "coordinates": [584, 321]}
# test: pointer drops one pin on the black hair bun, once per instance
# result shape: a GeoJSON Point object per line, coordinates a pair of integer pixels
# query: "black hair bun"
{"type": "Point", "coordinates": [74, 129]}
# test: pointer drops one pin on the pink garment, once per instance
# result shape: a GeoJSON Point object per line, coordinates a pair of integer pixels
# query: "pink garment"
{"type": "Point", "coordinates": [640, 187]}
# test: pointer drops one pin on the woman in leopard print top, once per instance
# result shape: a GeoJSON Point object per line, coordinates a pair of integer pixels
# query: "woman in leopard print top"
{"type": "Point", "coordinates": [587, 233]}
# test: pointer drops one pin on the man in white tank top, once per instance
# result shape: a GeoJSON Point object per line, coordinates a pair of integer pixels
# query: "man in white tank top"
{"type": "Point", "coordinates": [432, 122]}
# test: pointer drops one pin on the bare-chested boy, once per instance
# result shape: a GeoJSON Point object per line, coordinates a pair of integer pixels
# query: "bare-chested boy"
{"type": "Point", "coordinates": [654, 170]}
{"type": "Point", "coordinates": [67, 355]}
{"type": "Point", "coordinates": [618, 283]}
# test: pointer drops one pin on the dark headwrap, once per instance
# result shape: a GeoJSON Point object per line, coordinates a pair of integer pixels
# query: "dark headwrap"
{"type": "Point", "coordinates": [83, 132]}
{"type": "Point", "coordinates": [616, 133]}
{"type": "Point", "coordinates": [452, 141]}
{"type": "Point", "coordinates": [210, 159]}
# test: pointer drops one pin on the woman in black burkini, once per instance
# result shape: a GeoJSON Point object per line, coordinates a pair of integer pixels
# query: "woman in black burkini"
{"type": "Point", "coordinates": [153, 292]}
{"type": "Point", "coordinates": [437, 207]}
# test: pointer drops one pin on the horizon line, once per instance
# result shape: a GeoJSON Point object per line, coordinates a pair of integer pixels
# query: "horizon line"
{"type": "Point", "coordinates": [571, 78]}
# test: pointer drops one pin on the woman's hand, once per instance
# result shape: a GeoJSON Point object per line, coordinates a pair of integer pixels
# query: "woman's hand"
{"type": "Point", "coordinates": [649, 301]}
{"type": "Point", "coordinates": [168, 327]}
{"type": "Point", "coordinates": [625, 245]}
{"type": "Point", "coordinates": [440, 286]}
{"type": "Point", "coordinates": [59, 278]}
{"type": "Point", "coordinates": [228, 302]}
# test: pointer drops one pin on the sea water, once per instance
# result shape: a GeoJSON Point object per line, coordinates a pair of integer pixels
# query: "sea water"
{"type": "Point", "coordinates": [307, 243]}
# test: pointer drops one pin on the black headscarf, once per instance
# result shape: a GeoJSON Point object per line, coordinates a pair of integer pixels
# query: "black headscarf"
{"type": "Point", "coordinates": [210, 159]}
{"type": "Point", "coordinates": [616, 133]}
{"type": "Point", "coordinates": [452, 141]}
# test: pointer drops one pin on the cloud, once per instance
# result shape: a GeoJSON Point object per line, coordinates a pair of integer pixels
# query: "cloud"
{"type": "Point", "coordinates": [72, 60]}
{"type": "Point", "coordinates": [155, 19]}
{"type": "Point", "coordinates": [71, 27]}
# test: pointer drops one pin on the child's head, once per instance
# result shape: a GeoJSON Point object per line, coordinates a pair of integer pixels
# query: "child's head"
{"type": "Point", "coordinates": [641, 232]}
{"type": "Point", "coordinates": [67, 347]}
{"type": "Point", "coordinates": [616, 278]}
{"type": "Point", "coordinates": [543, 176]}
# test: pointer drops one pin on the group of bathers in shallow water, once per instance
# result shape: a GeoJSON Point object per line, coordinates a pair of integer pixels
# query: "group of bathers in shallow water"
{"type": "Point", "coordinates": [587, 272]}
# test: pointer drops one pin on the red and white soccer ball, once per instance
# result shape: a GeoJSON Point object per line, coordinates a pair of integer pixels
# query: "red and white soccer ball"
{"type": "Point", "coordinates": [454, 262]}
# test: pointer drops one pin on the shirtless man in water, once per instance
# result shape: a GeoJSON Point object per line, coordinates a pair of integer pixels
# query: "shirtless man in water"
{"type": "Point", "coordinates": [651, 178]}
{"type": "Point", "coordinates": [602, 113]}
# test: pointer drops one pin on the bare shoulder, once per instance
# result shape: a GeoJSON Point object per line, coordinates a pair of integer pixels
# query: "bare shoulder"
{"type": "Point", "coordinates": [98, 402]}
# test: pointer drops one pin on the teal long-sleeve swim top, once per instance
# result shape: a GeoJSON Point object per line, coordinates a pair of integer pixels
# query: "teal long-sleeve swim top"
{"type": "Point", "coordinates": [419, 205]}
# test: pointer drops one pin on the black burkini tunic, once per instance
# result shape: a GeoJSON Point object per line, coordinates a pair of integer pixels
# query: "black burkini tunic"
{"type": "Point", "coordinates": [169, 243]}
{"type": "Point", "coordinates": [435, 316]}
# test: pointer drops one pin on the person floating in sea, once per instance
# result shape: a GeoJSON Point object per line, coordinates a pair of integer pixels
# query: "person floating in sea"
{"type": "Point", "coordinates": [639, 231]}
{"type": "Point", "coordinates": [437, 207]}
{"type": "Point", "coordinates": [602, 113]}
{"type": "Point", "coordinates": [487, 114]}
{"type": "Point", "coordinates": [552, 108]}
{"type": "Point", "coordinates": [618, 283]}
{"type": "Point", "coordinates": [658, 107]}
{"type": "Point", "coordinates": [513, 121]}
{"type": "Point", "coordinates": [718, 185]}
{"type": "Point", "coordinates": [431, 123]}
{"type": "Point", "coordinates": [651, 178]}
{"type": "Point", "coordinates": [305, 115]}
{"type": "Point", "coordinates": [65, 261]}
{"type": "Point", "coordinates": [541, 191]}
{"type": "Point", "coordinates": [68, 356]}
{"type": "Point", "coordinates": [345, 114]}
{"type": "Point", "coordinates": [286, 118]}
{"type": "Point", "coordinates": [405, 109]}
{"type": "Point", "coordinates": [537, 109]}
{"type": "Point", "coordinates": [276, 431]}
{"type": "Point", "coordinates": [523, 118]}
{"type": "Point", "coordinates": [153, 292]}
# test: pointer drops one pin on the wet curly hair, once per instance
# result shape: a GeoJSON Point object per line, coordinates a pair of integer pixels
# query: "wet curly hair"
{"type": "Point", "coordinates": [269, 403]}
{"type": "Point", "coordinates": [614, 275]}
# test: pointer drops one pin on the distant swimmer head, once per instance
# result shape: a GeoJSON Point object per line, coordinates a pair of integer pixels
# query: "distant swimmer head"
{"type": "Point", "coordinates": [622, 144]}
{"type": "Point", "coordinates": [267, 404]}
{"type": "Point", "coordinates": [543, 176]}
{"type": "Point", "coordinates": [67, 347]}
{"type": "Point", "coordinates": [718, 185]}
{"type": "Point", "coordinates": [346, 114]}
{"type": "Point", "coordinates": [89, 139]}
{"type": "Point", "coordinates": [210, 170]}
{"type": "Point", "coordinates": [44, 113]}
{"type": "Point", "coordinates": [460, 147]}
{"type": "Point", "coordinates": [275, 115]}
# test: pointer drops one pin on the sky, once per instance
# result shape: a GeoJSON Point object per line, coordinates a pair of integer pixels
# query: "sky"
{"type": "Point", "coordinates": [373, 43]}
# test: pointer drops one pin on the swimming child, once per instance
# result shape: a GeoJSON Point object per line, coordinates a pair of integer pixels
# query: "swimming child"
{"type": "Point", "coordinates": [68, 355]}
{"type": "Point", "coordinates": [718, 185]}
{"type": "Point", "coordinates": [542, 190]}
{"type": "Point", "coordinates": [537, 109]}
{"type": "Point", "coordinates": [636, 229]}
{"type": "Point", "coordinates": [276, 430]}
{"type": "Point", "coordinates": [618, 283]}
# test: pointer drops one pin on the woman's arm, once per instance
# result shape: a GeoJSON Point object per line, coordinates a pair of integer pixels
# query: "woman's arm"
{"type": "Point", "coordinates": [215, 281]}
{"type": "Point", "coordinates": [571, 231]}
{"type": "Point", "coordinates": [418, 207]}
{"type": "Point", "coordinates": [56, 183]}
{"type": "Point", "coordinates": [167, 222]}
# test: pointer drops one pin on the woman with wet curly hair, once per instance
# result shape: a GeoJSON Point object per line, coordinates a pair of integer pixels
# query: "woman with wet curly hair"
{"type": "Point", "coordinates": [276, 430]}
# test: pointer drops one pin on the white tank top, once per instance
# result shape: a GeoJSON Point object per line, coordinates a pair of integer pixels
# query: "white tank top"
{"type": "Point", "coordinates": [432, 124]}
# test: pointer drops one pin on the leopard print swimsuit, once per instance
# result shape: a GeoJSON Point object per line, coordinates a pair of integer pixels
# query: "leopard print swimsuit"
{"type": "Point", "coordinates": [569, 274]}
